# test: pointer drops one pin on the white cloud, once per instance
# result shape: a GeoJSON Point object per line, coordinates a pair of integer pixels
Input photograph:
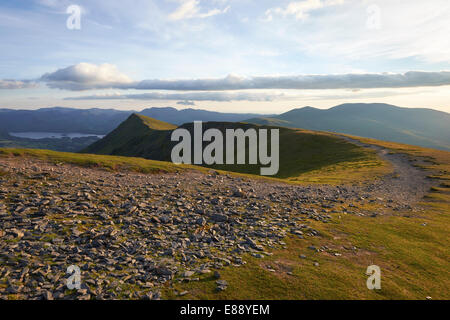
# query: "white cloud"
{"type": "Point", "coordinates": [190, 9]}
{"type": "Point", "coordinates": [16, 84]}
{"type": "Point", "coordinates": [84, 76]}
{"type": "Point", "coordinates": [301, 9]}
{"type": "Point", "coordinates": [186, 103]}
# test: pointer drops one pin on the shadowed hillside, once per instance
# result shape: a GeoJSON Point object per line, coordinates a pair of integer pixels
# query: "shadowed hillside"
{"type": "Point", "coordinates": [138, 136]}
{"type": "Point", "coordinates": [300, 151]}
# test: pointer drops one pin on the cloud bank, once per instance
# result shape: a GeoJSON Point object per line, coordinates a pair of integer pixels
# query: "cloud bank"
{"type": "Point", "coordinates": [306, 82]}
{"type": "Point", "coordinates": [186, 97]}
{"type": "Point", "coordinates": [85, 76]}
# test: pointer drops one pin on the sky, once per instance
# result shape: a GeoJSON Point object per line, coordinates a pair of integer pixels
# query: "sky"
{"type": "Point", "coordinates": [258, 56]}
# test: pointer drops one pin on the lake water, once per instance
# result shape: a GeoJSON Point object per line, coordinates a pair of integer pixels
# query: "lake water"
{"type": "Point", "coordinates": [53, 135]}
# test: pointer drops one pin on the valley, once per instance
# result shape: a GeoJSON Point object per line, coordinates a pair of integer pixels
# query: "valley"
{"type": "Point", "coordinates": [69, 142]}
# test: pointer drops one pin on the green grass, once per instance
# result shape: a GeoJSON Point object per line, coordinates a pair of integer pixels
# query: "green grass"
{"type": "Point", "coordinates": [413, 259]}
{"type": "Point", "coordinates": [154, 123]}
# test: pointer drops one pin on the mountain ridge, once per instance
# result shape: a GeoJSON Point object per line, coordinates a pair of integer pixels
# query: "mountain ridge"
{"type": "Point", "coordinates": [101, 121]}
{"type": "Point", "coordinates": [300, 151]}
{"type": "Point", "coordinates": [127, 139]}
{"type": "Point", "coordinates": [415, 126]}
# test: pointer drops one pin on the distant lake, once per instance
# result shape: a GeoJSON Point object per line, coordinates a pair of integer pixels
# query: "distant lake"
{"type": "Point", "coordinates": [52, 135]}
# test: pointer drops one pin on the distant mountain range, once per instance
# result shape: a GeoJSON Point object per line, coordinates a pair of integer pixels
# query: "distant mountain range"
{"type": "Point", "coordinates": [422, 127]}
{"type": "Point", "coordinates": [100, 121]}
{"type": "Point", "coordinates": [64, 120]}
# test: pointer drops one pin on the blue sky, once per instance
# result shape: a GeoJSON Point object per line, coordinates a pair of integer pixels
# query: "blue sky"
{"type": "Point", "coordinates": [123, 43]}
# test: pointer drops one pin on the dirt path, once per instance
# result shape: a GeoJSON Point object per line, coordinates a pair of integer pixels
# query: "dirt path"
{"type": "Point", "coordinates": [407, 184]}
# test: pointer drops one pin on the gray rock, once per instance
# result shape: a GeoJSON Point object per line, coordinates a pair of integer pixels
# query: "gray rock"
{"type": "Point", "coordinates": [201, 221]}
{"type": "Point", "coordinates": [47, 295]}
{"type": "Point", "coordinates": [217, 217]}
{"type": "Point", "coordinates": [188, 274]}
{"type": "Point", "coordinates": [221, 285]}
{"type": "Point", "coordinates": [163, 271]}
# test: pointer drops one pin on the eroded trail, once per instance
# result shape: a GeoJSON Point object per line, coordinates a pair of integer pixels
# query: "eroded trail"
{"type": "Point", "coordinates": [407, 183]}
